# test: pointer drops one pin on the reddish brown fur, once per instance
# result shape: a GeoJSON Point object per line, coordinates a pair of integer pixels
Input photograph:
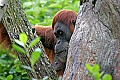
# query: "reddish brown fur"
{"type": "Point", "coordinates": [48, 39]}
{"type": "Point", "coordinates": [4, 38]}
{"type": "Point", "coordinates": [67, 17]}
{"type": "Point", "coordinates": [46, 32]}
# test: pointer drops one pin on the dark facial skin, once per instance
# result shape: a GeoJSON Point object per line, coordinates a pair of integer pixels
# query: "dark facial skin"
{"type": "Point", "coordinates": [63, 36]}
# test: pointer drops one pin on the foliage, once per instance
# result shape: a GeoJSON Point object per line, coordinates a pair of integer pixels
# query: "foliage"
{"type": "Point", "coordinates": [41, 12]}
{"type": "Point", "coordinates": [10, 67]}
{"type": "Point", "coordinates": [95, 72]}
{"type": "Point", "coordinates": [38, 12]}
{"type": "Point", "coordinates": [21, 47]}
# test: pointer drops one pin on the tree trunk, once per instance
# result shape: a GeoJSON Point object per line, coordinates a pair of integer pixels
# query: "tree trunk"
{"type": "Point", "coordinates": [96, 39]}
{"type": "Point", "coordinates": [15, 22]}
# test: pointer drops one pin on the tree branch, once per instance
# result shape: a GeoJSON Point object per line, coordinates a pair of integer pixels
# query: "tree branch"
{"type": "Point", "coordinates": [15, 22]}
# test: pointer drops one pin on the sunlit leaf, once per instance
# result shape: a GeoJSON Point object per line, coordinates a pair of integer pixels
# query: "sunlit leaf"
{"type": "Point", "coordinates": [23, 38]}
{"type": "Point", "coordinates": [34, 42]}
{"type": "Point", "coordinates": [97, 76]}
{"type": "Point", "coordinates": [89, 67]}
{"type": "Point", "coordinates": [107, 77]}
{"type": "Point", "coordinates": [17, 48]}
{"type": "Point", "coordinates": [55, 6]}
{"type": "Point", "coordinates": [96, 68]}
{"type": "Point", "coordinates": [19, 43]}
{"type": "Point", "coordinates": [35, 56]}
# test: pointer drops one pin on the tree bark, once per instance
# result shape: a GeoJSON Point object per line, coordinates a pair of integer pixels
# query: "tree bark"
{"type": "Point", "coordinates": [96, 39]}
{"type": "Point", "coordinates": [15, 22]}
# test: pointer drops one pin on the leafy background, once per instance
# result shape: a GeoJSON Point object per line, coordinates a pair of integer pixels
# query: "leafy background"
{"type": "Point", "coordinates": [39, 12]}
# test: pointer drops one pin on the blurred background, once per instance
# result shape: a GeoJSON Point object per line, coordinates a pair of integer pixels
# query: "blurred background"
{"type": "Point", "coordinates": [41, 12]}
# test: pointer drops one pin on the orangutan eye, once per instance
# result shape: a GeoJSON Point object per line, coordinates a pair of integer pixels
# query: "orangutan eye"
{"type": "Point", "coordinates": [60, 32]}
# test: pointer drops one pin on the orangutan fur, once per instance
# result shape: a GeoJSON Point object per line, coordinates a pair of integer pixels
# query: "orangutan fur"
{"type": "Point", "coordinates": [63, 25]}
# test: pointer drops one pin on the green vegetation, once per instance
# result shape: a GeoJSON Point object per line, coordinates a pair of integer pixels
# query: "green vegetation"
{"type": "Point", "coordinates": [38, 12]}
{"type": "Point", "coordinates": [41, 12]}
{"type": "Point", "coordinates": [10, 67]}
{"type": "Point", "coordinates": [20, 46]}
{"type": "Point", "coordinates": [94, 71]}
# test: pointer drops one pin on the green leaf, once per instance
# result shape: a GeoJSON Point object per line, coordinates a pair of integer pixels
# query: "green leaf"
{"type": "Point", "coordinates": [89, 68]}
{"type": "Point", "coordinates": [96, 68]}
{"type": "Point", "coordinates": [97, 75]}
{"type": "Point", "coordinates": [9, 77]}
{"type": "Point", "coordinates": [17, 48]}
{"type": "Point", "coordinates": [101, 73]}
{"type": "Point", "coordinates": [2, 78]}
{"type": "Point", "coordinates": [55, 6]}
{"type": "Point", "coordinates": [19, 43]}
{"type": "Point", "coordinates": [36, 12]}
{"type": "Point", "coordinates": [35, 56]}
{"type": "Point", "coordinates": [23, 38]}
{"type": "Point", "coordinates": [107, 77]}
{"type": "Point", "coordinates": [27, 67]}
{"type": "Point", "coordinates": [34, 42]}
{"type": "Point", "coordinates": [28, 4]}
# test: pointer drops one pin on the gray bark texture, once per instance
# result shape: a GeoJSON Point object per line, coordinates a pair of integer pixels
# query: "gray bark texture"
{"type": "Point", "coordinates": [15, 22]}
{"type": "Point", "coordinates": [96, 39]}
